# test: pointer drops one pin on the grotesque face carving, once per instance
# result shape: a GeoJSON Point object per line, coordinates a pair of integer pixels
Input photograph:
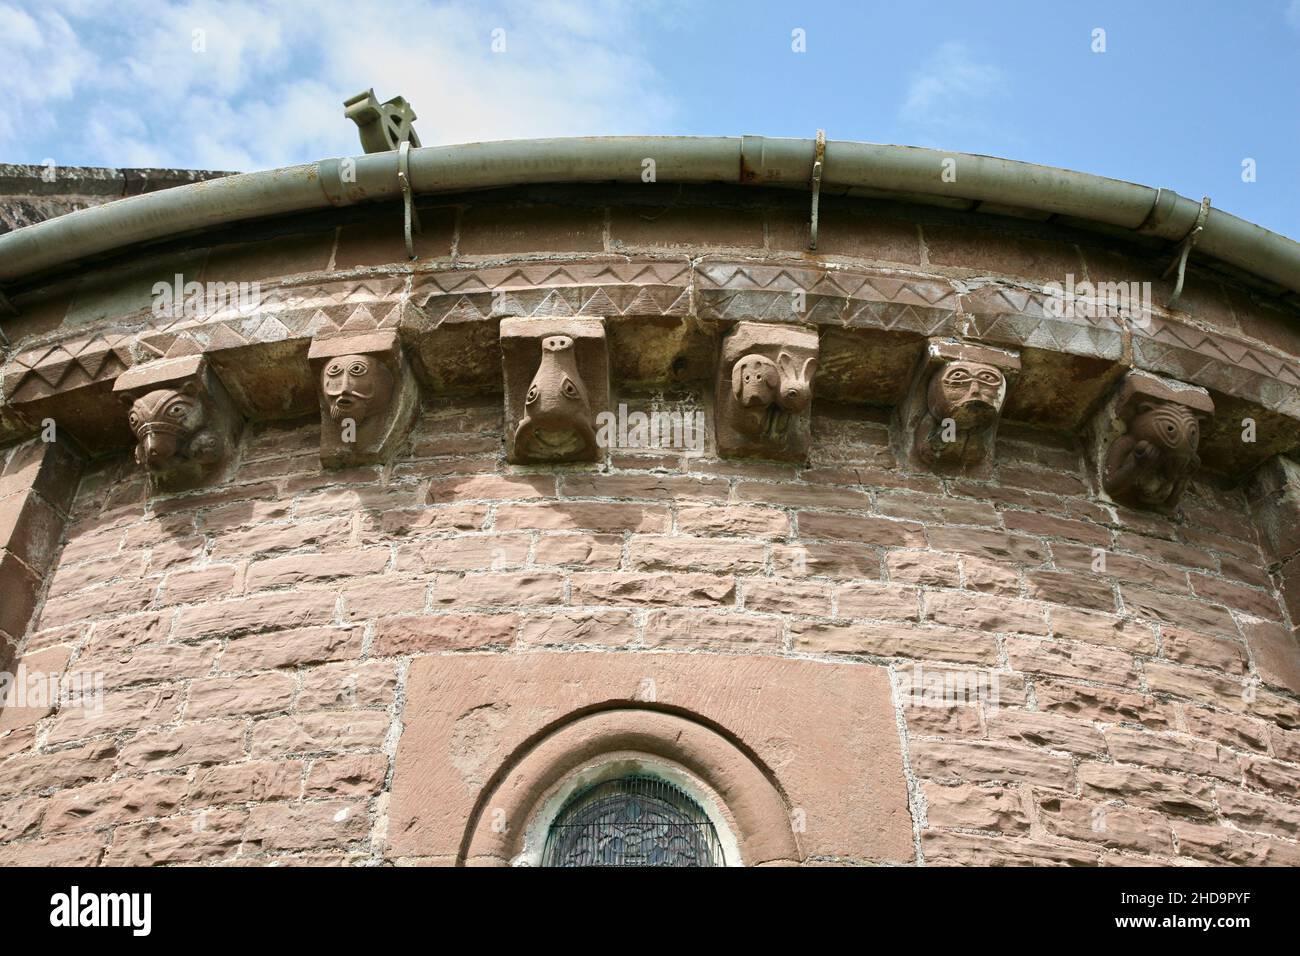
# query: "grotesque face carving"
{"type": "Point", "coordinates": [967, 392]}
{"type": "Point", "coordinates": [356, 386]}
{"type": "Point", "coordinates": [557, 422]}
{"type": "Point", "coordinates": [1151, 463]}
{"type": "Point", "coordinates": [164, 422]}
{"type": "Point", "coordinates": [1172, 428]}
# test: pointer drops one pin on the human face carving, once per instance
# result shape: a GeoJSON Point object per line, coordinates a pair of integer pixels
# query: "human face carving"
{"type": "Point", "coordinates": [356, 386]}
{"type": "Point", "coordinates": [968, 392]}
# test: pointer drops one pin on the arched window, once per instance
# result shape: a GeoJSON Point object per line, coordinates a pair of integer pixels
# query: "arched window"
{"type": "Point", "coordinates": [635, 820]}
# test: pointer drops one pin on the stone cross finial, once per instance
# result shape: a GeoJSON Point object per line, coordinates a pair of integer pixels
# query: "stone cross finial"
{"type": "Point", "coordinates": [383, 126]}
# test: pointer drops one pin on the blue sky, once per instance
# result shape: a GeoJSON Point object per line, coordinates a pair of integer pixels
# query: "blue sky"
{"type": "Point", "coordinates": [1184, 92]}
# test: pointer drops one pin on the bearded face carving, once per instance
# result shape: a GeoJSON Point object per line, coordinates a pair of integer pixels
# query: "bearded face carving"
{"type": "Point", "coordinates": [169, 427]}
{"type": "Point", "coordinates": [1152, 461]}
{"type": "Point", "coordinates": [367, 396]}
{"type": "Point", "coordinates": [356, 387]}
{"type": "Point", "coordinates": [558, 421]}
{"type": "Point", "coordinates": [963, 402]}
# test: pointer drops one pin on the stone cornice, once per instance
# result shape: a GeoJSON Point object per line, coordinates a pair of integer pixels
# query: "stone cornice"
{"type": "Point", "coordinates": [665, 316]}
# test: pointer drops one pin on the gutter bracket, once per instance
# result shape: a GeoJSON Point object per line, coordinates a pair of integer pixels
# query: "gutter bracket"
{"type": "Point", "coordinates": [6, 308]}
{"type": "Point", "coordinates": [1184, 250]}
{"type": "Point", "coordinates": [410, 218]}
{"type": "Point", "coordinates": [819, 165]}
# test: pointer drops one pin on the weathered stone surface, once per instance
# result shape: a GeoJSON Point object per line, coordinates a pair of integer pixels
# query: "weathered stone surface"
{"type": "Point", "coordinates": [185, 424]}
{"type": "Point", "coordinates": [1146, 439]}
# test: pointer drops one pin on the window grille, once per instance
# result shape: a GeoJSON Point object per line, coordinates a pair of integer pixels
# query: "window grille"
{"type": "Point", "coordinates": [632, 821]}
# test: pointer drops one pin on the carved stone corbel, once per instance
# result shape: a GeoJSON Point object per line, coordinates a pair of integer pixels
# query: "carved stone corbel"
{"type": "Point", "coordinates": [949, 419]}
{"type": "Point", "coordinates": [186, 426]}
{"type": "Point", "coordinates": [368, 396]}
{"type": "Point", "coordinates": [763, 393]}
{"type": "Point", "coordinates": [557, 382]}
{"type": "Point", "coordinates": [1145, 440]}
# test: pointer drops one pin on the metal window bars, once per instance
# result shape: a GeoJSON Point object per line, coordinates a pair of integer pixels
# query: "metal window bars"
{"type": "Point", "coordinates": [632, 821]}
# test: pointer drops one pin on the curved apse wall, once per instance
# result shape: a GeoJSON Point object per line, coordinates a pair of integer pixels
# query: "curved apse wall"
{"type": "Point", "coordinates": [922, 562]}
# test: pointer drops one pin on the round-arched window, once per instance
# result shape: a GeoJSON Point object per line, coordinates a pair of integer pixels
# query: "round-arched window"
{"type": "Point", "coordinates": [636, 820]}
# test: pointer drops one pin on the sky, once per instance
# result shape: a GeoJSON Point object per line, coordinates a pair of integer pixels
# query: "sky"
{"type": "Point", "coordinates": [1180, 94]}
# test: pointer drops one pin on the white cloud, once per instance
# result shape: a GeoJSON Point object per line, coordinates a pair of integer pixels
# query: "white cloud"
{"type": "Point", "coordinates": [42, 65]}
{"type": "Point", "coordinates": [1293, 14]}
{"type": "Point", "coordinates": [949, 87]}
{"type": "Point", "coordinates": [123, 85]}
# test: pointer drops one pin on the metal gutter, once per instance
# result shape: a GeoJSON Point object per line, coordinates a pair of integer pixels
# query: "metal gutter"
{"type": "Point", "coordinates": [755, 160]}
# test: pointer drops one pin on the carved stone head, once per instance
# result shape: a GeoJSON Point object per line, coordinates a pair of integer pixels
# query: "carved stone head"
{"type": "Point", "coordinates": [1147, 439]}
{"type": "Point", "coordinates": [1151, 463]}
{"type": "Point", "coordinates": [556, 383]}
{"type": "Point", "coordinates": [168, 424]}
{"type": "Point", "coordinates": [367, 396]}
{"type": "Point", "coordinates": [558, 423]}
{"type": "Point", "coordinates": [764, 390]}
{"type": "Point", "coordinates": [755, 381]}
{"type": "Point", "coordinates": [949, 418]}
{"type": "Point", "coordinates": [969, 393]}
{"type": "Point", "coordinates": [356, 386]}
{"type": "Point", "coordinates": [186, 428]}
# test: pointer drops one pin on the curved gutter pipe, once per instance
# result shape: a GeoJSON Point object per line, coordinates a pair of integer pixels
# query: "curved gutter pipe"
{"type": "Point", "coordinates": [903, 171]}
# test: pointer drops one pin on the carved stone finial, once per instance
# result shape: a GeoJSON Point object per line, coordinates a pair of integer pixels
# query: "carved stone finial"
{"type": "Point", "coordinates": [949, 419]}
{"type": "Point", "coordinates": [383, 126]}
{"type": "Point", "coordinates": [557, 381]}
{"type": "Point", "coordinates": [1146, 440]}
{"type": "Point", "coordinates": [764, 390]}
{"type": "Point", "coordinates": [185, 425]}
{"type": "Point", "coordinates": [368, 396]}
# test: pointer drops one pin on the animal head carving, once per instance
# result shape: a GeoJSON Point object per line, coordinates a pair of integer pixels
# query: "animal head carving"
{"type": "Point", "coordinates": [763, 390]}
{"type": "Point", "coordinates": [356, 386]}
{"type": "Point", "coordinates": [557, 423]}
{"type": "Point", "coordinates": [168, 425]}
{"type": "Point", "coordinates": [1172, 429]}
{"type": "Point", "coordinates": [755, 381]}
{"type": "Point", "coordinates": [796, 382]}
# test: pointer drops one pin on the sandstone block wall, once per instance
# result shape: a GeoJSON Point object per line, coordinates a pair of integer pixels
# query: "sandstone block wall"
{"type": "Point", "coordinates": [257, 639]}
{"type": "Point", "coordinates": [352, 666]}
